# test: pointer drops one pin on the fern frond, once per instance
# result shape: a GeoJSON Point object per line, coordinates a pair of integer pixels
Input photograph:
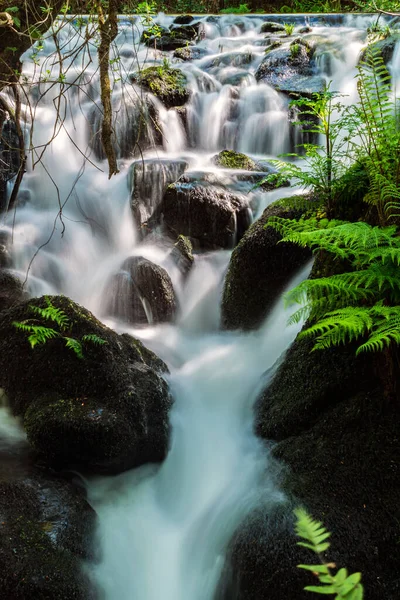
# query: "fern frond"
{"type": "Point", "coordinates": [51, 313]}
{"type": "Point", "coordinates": [340, 327]}
{"type": "Point", "coordinates": [74, 345]}
{"type": "Point", "coordinates": [312, 531]}
{"type": "Point", "coordinates": [38, 334]}
{"type": "Point", "coordinates": [94, 339]}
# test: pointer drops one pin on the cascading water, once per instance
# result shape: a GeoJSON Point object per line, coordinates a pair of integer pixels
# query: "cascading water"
{"type": "Point", "coordinates": [163, 530]}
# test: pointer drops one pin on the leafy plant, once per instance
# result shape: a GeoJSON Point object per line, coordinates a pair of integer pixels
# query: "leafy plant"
{"type": "Point", "coordinates": [289, 28]}
{"type": "Point", "coordinates": [363, 303]}
{"type": "Point", "coordinates": [326, 163]}
{"type": "Point", "coordinates": [340, 584]}
{"type": "Point", "coordinates": [240, 10]}
{"type": "Point", "coordinates": [40, 334]}
{"type": "Point", "coordinates": [375, 123]}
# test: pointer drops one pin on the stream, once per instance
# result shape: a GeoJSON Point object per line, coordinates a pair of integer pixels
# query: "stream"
{"type": "Point", "coordinates": [164, 529]}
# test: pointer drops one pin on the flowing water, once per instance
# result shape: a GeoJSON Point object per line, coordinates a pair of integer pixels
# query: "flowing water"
{"type": "Point", "coordinates": [163, 530]}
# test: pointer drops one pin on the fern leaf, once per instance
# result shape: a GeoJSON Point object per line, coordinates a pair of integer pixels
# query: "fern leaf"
{"type": "Point", "coordinates": [94, 339]}
{"type": "Point", "coordinates": [74, 345]}
{"type": "Point", "coordinates": [52, 313]}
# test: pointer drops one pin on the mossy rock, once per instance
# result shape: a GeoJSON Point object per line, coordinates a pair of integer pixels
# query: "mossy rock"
{"type": "Point", "coordinates": [336, 435]}
{"type": "Point", "coordinates": [11, 290]}
{"type": "Point", "coordinates": [166, 84]}
{"type": "Point", "coordinates": [47, 530]}
{"type": "Point", "coordinates": [271, 27]}
{"type": "Point", "coordinates": [182, 254]}
{"type": "Point", "coordinates": [105, 412]}
{"type": "Point", "coordinates": [235, 160]}
{"type": "Point", "coordinates": [259, 269]}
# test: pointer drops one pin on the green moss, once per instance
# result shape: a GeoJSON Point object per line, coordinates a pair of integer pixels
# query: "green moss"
{"type": "Point", "coordinates": [235, 160]}
{"type": "Point", "coordinates": [184, 245]}
{"type": "Point", "coordinates": [167, 84]}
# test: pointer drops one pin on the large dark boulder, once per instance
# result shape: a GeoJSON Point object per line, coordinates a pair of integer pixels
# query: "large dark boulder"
{"type": "Point", "coordinates": [211, 216]}
{"type": "Point", "coordinates": [9, 155]}
{"type": "Point", "coordinates": [259, 269]}
{"type": "Point", "coordinates": [104, 412]}
{"type": "Point", "coordinates": [149, 180]}
{"type": "Point", "coordinates": [47, 530]}
{"type": "Point", "coordinates": [336, 433]}
{"type": "Point", "coordinates": [176, 37]}
{"type": "Point", "coordinates": [142, 293]}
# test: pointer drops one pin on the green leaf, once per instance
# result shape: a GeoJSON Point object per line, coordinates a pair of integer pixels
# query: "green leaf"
{"type": "Point", "coordinates": [12, 9]}
{"type": "Point", "coordinates": [74, 345]}
{"type": "Point", "coordinates": [315, 568]}
{"type": "Point", "coordinates": [321, 589]}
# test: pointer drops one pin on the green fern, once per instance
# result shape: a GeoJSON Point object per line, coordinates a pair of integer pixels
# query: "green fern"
{"type": "Point", "coordinates": [40, 334]}
{"type": "Point", "coordinates": [94, 339]}
{"type": "Point", "coordinates": [350, 306]}
{"type": "Point", "coordinates": [342, 585]}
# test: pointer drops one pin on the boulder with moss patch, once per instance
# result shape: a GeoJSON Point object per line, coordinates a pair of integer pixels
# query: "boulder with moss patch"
{"type": "Point", "coordinates": [259, 269]}
{"type": "Point", "coordinates": [47, 530]}
{"type": "Point", "coordinates": [104, 412]}
{"type": "Point", "coordinates": [167, 84]}
{"type": "Point", "coordinates": [209, 215]}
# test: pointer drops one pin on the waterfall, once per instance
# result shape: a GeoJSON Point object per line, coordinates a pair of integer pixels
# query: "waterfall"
{"type": "Point", "coordinates": [163, 530]}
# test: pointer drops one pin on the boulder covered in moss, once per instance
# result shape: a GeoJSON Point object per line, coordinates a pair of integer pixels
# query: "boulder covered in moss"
{"type": "Point", "coordinates": [259, 270]}
{"type": "Point", "coordinates": [190, 53]}
{"type": "Point", "coordinates": [89, 398]}
{"type": "Point", "coordinates": [171, 39]}
{"type": "Point", "coordinates": [209, 215]}
{"type": "Point", "coordinates": [336, 435]}
{"type": "Point", "coordinates": [235, 160]}
{"type": "Point", "coordinates": [167, 84]}
{"type": "Point", "coordinates": [142, 293]}
{"type": "Point", "coordinates": [47, 529]}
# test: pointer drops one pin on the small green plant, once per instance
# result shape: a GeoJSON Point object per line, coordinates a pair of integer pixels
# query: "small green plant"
{"type": "Point", "coordinates": [40, 334]}
{"type": "Point", "coordinates": [340, 584]}
{"type": "Point", "coordinates": [289, 28]}
{"type": "Point", "coordinates": [294, 50]}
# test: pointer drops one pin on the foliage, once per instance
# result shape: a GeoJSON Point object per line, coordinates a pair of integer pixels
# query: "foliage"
{"type": "Point", "coordinates": [240, 10]}
{"type": "Point", "coordinates": [342, 585]}
{"type": "Point", "coordinates": [362, 301]}
{"type": "Point", "coordinates": [375, 125]}
{"type": "Point", "coordinates": [40, 334]}
{"type": "Point", "coordinates": [289, 28]}
{"type": "Point", "coordinates": [325, 164]}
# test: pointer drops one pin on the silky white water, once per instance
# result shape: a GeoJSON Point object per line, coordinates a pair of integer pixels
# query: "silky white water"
{"type": "Point", "coordinates": [164, 529]}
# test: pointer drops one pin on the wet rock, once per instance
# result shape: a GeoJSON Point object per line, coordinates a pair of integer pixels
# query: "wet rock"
{"type": "Point", "coordinates": [210, 216]}
{"type": "Point", "coordinates": [182, 254]}
{"type": "Point", "coordinates": [46, 532]}
{"type": "Point", "coordinates": [166, 84]}
{"type": "Point", "coordinates": [136, 128]}
{"type": "Point", "coordinates": [234, 59]}
{"type": "Point", "coordinates": [259, 270]}
{"type": "Point", "coordinates": [142, 293]}
{"type": "Point", "coordinates": [337, 436]}
{"type": "Point", "coordinates": [176, 37]}
{"type": "Point", "coordinates": [104, 412]}
{"type": "Point", "coordinates": [9, 156]}
{"type": "Point", "coordinates": [5, 256]}
{"type": "Point", "coordinates": [11, 290]}
{"type": "Point", "coordinates": [290, 70]}
{"type": "Point", "coordinates": [183, 19]}
{"type": "Point", "coordinates": [190, 53]}
{"type": "Point", "coordinates": [271, 27]}
{"type": "Point", "coordinates": [149, 180]}
{"type": "Point", "coordinates": [384, 47]}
